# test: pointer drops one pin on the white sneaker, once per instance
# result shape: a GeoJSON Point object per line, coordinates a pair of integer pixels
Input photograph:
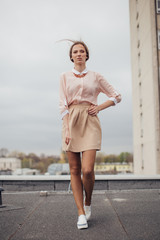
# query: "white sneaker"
{"type": "Point", "coordinates": [87, 210]}
{"type": "Point", "coordinates": [82, 222]}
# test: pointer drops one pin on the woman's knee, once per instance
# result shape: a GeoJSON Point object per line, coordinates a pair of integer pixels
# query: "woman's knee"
{"type": "Point", "coordinates": [88, 173]}
{"type": "Point", "coordinates": [74, 163]}
{"type": "Point", "coordinates": [75, 171]}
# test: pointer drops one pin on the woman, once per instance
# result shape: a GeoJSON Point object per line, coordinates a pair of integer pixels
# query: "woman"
{"type": "Point", "coordinates": [81, 132]}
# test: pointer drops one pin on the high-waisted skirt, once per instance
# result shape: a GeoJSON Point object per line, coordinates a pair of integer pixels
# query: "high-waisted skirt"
{"type": "Point", "coordinates": [85, 130]}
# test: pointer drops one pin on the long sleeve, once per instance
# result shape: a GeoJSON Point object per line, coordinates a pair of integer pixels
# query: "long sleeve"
{"type": "Point", "coordinates": [107, 89]}
{"type": "Point", "coordinates": [74, 90]}
{"type": "Point", "coordinates": [63, 98]}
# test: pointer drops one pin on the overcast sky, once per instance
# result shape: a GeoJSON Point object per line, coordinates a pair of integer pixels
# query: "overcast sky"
{"type": "Point", "coordinates": [31, 62]}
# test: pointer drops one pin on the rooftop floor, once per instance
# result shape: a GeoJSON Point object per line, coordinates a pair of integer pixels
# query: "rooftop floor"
{"type": "Point", "coordinates": [116, 215]}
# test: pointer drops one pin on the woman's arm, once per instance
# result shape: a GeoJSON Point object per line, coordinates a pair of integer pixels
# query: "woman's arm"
{"type": "Point", "coordinates": [66, 125]}
{"type": "Point", "coordinates": [106, 88]}
{"type": "Point", "coordinates": [95, 109]}
{"type": "Point", "coordinates": [64, 108]}
{"type": "Point", "coordinates": [63, 97]}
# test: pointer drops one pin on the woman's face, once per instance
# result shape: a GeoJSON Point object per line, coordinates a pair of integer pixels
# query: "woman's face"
{"type": "Point", "coordinates": [79, 55]}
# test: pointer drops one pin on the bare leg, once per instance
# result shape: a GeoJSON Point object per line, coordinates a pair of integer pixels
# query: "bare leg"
{"type": "Point", "coordinates": [76, 182]}
{"type": "Point", "coordinates": [88, 160]}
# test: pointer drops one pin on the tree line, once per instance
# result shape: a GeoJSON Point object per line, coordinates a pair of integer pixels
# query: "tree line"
{"type": "Point", "coordinates": [123, 157]}
{"type": "Point", "coordinates": [42, 162]}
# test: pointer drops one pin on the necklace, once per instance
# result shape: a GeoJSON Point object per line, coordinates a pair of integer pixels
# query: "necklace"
{"type": "Point", "coordinates": [79, 76]}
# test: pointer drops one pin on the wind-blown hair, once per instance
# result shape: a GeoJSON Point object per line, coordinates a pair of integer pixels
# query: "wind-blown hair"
{"type": "Point", "coordinates": [75, 42]}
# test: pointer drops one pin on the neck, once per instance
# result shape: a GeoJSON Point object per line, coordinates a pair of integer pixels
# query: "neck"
{"type": "Point", "coordinates": [80, 68]}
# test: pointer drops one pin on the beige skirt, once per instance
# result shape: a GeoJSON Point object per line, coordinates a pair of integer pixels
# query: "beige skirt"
{"type": "Point", "coordinates": [85, 130]}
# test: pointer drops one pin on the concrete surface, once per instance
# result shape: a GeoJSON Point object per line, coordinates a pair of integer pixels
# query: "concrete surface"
{"type": "Point", "coordinates": [116, 215]}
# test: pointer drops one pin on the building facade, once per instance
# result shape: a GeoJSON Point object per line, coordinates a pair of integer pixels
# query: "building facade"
{"type": "Point", "coordinates": [113, 168]}
{"type": "Point", "coordinates": [9, 164]}
{"type": "Point", "coordinates": [145, 64]}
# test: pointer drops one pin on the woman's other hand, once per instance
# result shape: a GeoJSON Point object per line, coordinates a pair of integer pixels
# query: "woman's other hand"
{"type": "Point", "coordinates": [93, 110]}
{"type": "Point", "coordinates": [68, 138]}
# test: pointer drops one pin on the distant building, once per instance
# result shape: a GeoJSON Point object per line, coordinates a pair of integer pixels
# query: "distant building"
{"type": "Point", "coordinates": [26, 171]}
{"type": "Point", "coordinates": [58, 169]}
{"type": "Point", "coordinates": [113, 168]}
{"type": "Point", "coordinates": [9, 164]}
{"type": "Point", "coordinates": [145, 63]}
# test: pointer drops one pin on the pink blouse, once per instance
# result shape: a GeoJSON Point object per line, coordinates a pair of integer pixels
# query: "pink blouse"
{"type": "Point", "coordinates": [85, 89]}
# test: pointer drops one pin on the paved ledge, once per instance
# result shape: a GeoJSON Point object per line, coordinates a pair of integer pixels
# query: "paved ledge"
{"type": "Point", "coordinates": [67, 177]}
{"type": "Point", "coordinates": [62, 183]}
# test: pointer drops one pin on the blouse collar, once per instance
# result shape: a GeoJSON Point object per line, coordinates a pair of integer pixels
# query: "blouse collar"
{"type": "Point", "coordinates": [80, 73]}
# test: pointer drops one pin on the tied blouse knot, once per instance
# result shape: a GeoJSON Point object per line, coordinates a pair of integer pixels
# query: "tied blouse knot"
{"type": "Point", "coordinates": [84, 88]}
